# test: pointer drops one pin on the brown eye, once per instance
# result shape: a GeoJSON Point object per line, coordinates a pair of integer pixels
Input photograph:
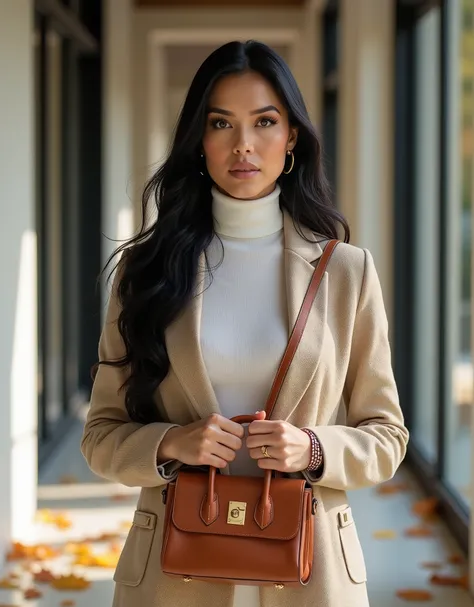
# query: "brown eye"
{"type": "Point", "coordinates": [266, 122]}
{"type": "Point", "coordinates": [219, 123]}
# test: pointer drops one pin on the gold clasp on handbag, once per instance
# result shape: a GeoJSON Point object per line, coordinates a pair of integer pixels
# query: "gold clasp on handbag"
{"type": "Point", "coordinates": [236, 513]}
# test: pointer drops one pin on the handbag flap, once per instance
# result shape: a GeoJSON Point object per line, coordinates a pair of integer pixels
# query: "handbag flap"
{"type": "Point", "coordinates": [238, 498]}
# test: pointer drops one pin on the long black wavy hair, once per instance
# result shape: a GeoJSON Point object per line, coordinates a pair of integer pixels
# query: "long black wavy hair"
{"type": "Point", "coordinates": [158, 268]}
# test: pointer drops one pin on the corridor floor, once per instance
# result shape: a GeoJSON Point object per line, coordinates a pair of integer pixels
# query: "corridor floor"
{"type": "Point", "coordinates": [95, 507]}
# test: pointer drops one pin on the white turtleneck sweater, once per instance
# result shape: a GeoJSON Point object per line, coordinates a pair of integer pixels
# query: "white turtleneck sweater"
{"type": "Point", "coordinates": [244, 325]}
{"type": "Point", "coordinates": [244, 328]}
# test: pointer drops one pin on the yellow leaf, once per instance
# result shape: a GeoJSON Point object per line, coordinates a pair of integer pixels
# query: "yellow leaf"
{"type": "Point", "coordinates": [70, 582]}
{"type": "Point", "coordinates": [384, 534]}
{"type": "Point", "coordinates": [6, 584]}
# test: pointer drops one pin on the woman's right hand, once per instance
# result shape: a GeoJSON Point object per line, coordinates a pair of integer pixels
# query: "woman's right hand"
{"type": "Point", "coordinates": [212, 441]}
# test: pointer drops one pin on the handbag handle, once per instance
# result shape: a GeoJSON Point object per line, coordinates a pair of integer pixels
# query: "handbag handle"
{"type": "Point", "coordinates": [264, 511]}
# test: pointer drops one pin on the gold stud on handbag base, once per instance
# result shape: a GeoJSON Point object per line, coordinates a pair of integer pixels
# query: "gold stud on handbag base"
{"type": "Point", "coordinates": [279, 586]}
{"type": "Point", "coordinates": [186, 578]}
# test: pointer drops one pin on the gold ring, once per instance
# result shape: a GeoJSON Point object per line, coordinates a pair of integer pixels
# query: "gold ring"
{"type": "Point", "coordinates": [265, 451]}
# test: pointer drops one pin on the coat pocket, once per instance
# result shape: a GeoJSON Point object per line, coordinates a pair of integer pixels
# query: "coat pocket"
{"type": "Point", "coordinates": [136, 552]}
{"type": "Point", "coordinates": [351, 547]}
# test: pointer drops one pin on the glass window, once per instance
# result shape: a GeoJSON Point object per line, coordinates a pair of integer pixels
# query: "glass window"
{"type": "Point", "coordinates": [426, 257]}
{"type": "Point", "coordinates": [460, 196]}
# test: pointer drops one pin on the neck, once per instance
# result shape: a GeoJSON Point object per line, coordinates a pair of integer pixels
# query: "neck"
{"type": "Point", "coordinates": [247, 218]}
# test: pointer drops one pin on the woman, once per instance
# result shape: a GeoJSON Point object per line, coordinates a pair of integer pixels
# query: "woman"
{"type": "Point", "coordinates": [202, 306]}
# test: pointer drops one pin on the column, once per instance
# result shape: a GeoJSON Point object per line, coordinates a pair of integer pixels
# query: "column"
{"type": "Point", "coordinates": [118, 216]}
{"type": "Point", "coordinates": [366, 128]}
{"type": "Point", "coordinates": [18, 343]}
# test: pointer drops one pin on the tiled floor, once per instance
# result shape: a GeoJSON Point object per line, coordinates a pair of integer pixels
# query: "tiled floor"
{"type": "Point", "coordinates": [93, 506]}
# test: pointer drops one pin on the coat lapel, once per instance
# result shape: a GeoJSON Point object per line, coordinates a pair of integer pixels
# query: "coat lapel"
{"type": "Point", "coordinates": [300, 259]}
{"type": "Point", "coordinates": [183, 344]}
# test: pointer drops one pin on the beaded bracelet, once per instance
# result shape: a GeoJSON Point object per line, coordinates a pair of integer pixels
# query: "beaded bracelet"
{"type": "Point", "coordinates": [316, 452]}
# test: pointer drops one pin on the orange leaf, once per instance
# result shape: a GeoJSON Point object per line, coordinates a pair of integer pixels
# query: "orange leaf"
{"type": "Point", "coordinates": [391, 488]}
{"type": "Point", "coordinates": [70, 582]}
{"type": "Point", "coordinates": [62, 522]}
{"type": "Point", "coordinates": [425, 508]}
{"type": "Point", "coordinates": [66, 603]}
{"type": "Point", "coordinates": [415, 595]}
{"type": "Point", "coordinates": [32, 593]}
{"type": "Point", "coordinates": [44, 576]}
{"type": "Point", "coordinates": [17, 552]}
{"type": "Point", "coordinates": [446, 580]}
{"type": "Point", "coordinates": [384, 534]}
{"type": "Point", "coordinates": [456, 559]}
{"type": "Point", "coordinates": [125, 525]}
{"type": "Point", "coordinates": [419, 532]}
{"type": "Point", "coordinates": [39, 552]}
{"type": "Point", "coordinates": [42, 552]}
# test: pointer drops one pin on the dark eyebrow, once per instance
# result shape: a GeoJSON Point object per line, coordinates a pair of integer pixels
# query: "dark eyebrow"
{"type": "Point", "coordinates": [267, 108]}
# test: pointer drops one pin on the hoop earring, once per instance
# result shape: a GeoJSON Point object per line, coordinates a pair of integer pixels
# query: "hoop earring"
{"type": "Point", "coordinates": [202, 156]}
{"type": "Point", "coordinates": [290, 153]}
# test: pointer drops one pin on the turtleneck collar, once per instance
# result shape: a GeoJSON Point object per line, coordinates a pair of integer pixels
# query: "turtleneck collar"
{"type": "Point", "coordinates": [247, 218]}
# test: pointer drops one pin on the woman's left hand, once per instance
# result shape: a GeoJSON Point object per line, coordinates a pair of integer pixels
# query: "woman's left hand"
{"type": "Point", "coordinates": [288, 447]}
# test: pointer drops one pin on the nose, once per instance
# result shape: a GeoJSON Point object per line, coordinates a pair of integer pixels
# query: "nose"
{"type": "Point", "coordinates": [243, 145]}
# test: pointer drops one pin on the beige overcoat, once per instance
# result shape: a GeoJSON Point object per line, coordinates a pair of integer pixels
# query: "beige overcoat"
{"type": "Point", "coordinates": [340, 384]}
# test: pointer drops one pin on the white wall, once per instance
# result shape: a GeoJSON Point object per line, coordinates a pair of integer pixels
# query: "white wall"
{"type": "Point", "coordinates": [18, 347]}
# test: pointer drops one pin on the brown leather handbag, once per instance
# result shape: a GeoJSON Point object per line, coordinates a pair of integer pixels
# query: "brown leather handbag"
{"type": "Point", "coordinates": [244, 530]}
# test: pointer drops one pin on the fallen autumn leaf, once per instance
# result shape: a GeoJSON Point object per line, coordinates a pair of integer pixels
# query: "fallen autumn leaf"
{"type": "Point", "coordinates": [419, 532]}
{"type": "Point", "coordinates": [384, 534]}
{"type": "Point", "coordinates": [414, 595]}
{"type": "Point", "coordinates": [425, 508]}
{"type": "Point", "coordinates": [32, 593]}
{"type": "Point", "coordinates": [446, 580]}
{"type": "Point", "coordinates": [392, 488]}
{"type": "Point", "coordinates": [432, 565]}
{"type": "Point", "coordinates": [70, 582]}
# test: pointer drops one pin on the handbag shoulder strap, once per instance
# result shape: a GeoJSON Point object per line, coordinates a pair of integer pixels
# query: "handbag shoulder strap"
{"type": "Point", "coordinates": [300, 325]}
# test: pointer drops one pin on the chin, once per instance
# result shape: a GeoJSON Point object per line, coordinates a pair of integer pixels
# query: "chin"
{"type": "Point", "coordinates": [247, 191]}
